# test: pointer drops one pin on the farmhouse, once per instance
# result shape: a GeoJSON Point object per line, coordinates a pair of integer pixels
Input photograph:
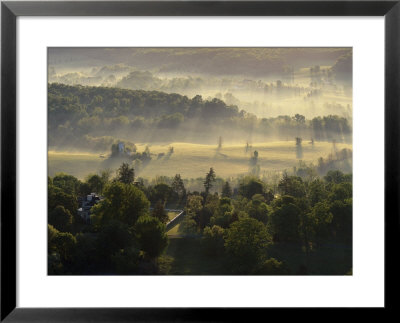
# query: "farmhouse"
{"type": "Point", "coordinates": [85, 205]}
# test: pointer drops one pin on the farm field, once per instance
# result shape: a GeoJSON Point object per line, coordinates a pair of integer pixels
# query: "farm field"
{"type": "Point", "coordinates": [174, 230]}
{"type": "Point", "coordinates": [194, 160]}
{"type": "Point", "coordinates": [171, 215]}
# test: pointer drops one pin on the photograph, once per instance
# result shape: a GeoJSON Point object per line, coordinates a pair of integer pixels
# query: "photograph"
{"type": "Point", "coordinates": [199, 161]}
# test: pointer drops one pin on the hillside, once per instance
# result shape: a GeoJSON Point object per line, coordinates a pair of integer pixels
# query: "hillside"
{"type": "Point", "coordinates": [93, 118]}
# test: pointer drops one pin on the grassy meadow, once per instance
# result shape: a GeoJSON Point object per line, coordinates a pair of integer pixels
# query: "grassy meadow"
{"type": "Point", "coordinates": [194, 160]}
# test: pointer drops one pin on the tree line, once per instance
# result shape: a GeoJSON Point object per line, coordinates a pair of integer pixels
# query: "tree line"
{"type": "Point", "coordinates": [93, 117]}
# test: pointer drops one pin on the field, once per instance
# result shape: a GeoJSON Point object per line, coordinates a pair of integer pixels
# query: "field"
{"type": "Point", "coordinates": [173, 232]}
{"type": "Point", "coordinates": [194, 160]}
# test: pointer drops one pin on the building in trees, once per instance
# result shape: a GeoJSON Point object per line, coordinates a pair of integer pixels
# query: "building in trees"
{"type": "Point", "coordinates": [85, 205]}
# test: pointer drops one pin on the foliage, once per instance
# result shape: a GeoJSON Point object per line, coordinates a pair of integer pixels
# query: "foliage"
{"type": "Point", "coordinates": [262, 229]}
{"type": "Point", "coordinates": [150, 233]}
{"type": "Point", "coordinates": [122, 202]}
{"type": "Point", "coordinates": [188, 226]}
{"type": "Point", "coordinates": [96, 183]}
{"type": "Point", "coordinates": [61, 218]}
{"type": "Point", "coordinates": [285, 221]}
{"type": "Point", "coordinates": [213, 240]}
{"type": "Point", "coordinates": [292, 186]}
{"type": "Point", "coordinates": [210, 179]}
{"type": "Point", "coordinates": [226, 190]}
{"type": "Point", "coordinates": [246, 242]}
{"type": "Point", "coordinates": [250, 186]}
{"type": "Point", "coordinates": [125, 174]}
{"type": "Point", "coordinates": [159, 212]}
{"type": "Point", "coordinates": [93, 117]}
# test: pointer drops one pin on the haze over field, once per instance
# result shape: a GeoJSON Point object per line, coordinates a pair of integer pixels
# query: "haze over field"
{"type": "Point", "coordinates": [194, 160]}
{"type": "Point", "coordinates": [191, 98]}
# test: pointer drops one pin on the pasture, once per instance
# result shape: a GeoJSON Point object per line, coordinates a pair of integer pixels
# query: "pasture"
{"type": "Point", "coordinates": [194, 160]}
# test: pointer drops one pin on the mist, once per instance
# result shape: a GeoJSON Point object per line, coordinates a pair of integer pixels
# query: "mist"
{"type": "Point", "coordinates": [252, 100]}
{"type": "Point", "coordinates": [268, 82]}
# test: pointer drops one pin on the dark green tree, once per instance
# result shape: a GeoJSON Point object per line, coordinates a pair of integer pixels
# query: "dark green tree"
{"type": "Point", "coordinates": [246, 242]}
{"type": "Point", "coordinates": [222, 213]}
{"type": "Point", "coordinates": [178, 187]}
{"type": "Point", "coordinates": [61, 219]}
{"type": "Point", "coordinates": [151, 235]}
{"type": "Point", "coordinates": [209, 181]}
{"type": "Point", "coordinates": [227, 190]}
{"type": "Point", "coordinates": [122, 202]}
{"type": "Point", "coordinates": [57, 197]}
{"type": "Point", "coordinates": [250, 186]}
{"type": "Point", "coordinates": [125, 174]}
{"type": "Point", "coordinates": [64, 243]}
{"type": "Point", "coordinates": [67, 183]}
{"type": "Point", "coordinates": [96, 183]}
{"type": "Point", "coordinates": [161, 192]}
{"type": "Point", "coordinates": [258, 209]}
{"type": "Point", "coordinates": [292, 185]}
{"type": "Point", "coordinates": [285, 221]}
{"type": "Point", "coordinates": [213, 240]}
{"type": "Point", "coordinates": [159, 212]}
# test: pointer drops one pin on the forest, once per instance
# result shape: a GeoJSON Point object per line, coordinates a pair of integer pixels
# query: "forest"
{"type": "Point", "coordinates": [83, 117]}
{"type": "Point", "coordinates": [301, 226]}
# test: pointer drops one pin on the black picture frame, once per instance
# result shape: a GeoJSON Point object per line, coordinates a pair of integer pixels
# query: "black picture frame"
{"type": "Point", "coordinates": [10, 10]}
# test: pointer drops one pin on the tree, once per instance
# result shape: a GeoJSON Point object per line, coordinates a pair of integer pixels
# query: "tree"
{"type": "Point", "coordinates": [125, 174]}
{"type": "Point", "coordinates": [258, 209]}
{"type": "Point", "coordinates": [105, 175]}
{"type": "Point", "coordinates": [194, 204]}
{"type": "Point", "coordinates": [61, 219]}
{"type": "Point", "coordinates": [213, 240]}
{"type": "Point", "coordinates": [161, 192]}
{"type": "Point", "coordinates": [159, 212]}
{"type": "Point", "coordinates": [114, 150]}
{"type": "Point", "coordinates": [316, 191]}
{"type": "Point", "coordinates": [300, 119]}
{"type": "Point", "coordinates": [342, 221]}
{"type": "Point", "coordinates": [67, 183]}
{"type": "Point", "coordinates": [341, 191]}
{"type": "Point", "coordinates": [64, 243]}
{"type": "Point", "coordinates": [112, 237]}
{"type": "Point", "coordinates": [246, 241]}
{"type": "Point", "coordinates": [188, 226]}
{"type": "Point", "coordinates": [334, 176]}
{"type": "Point", "coordinates": [96, 183]}
{"type": "Point", "coordinates": [210, 179]}
{"type": "Point", "coordinates": [299, 148]}
{"type": "Point", "coordinates": [222, 213]}
{"type": "Point", "coordinates": [151, 235]}
{"type": "Point", "coordinates": [123, 202]}
{"type": "Point", "coordinates": [219, 142]}
{"type": "Point", "coordinates": [321, 218]}
{"type": "Point", "coordinates": [285, 221]}
{"type": "Point", "coordinates": [292, 185]}
{"type": "Point", "coordinates": [57, 197]}
{"type": "Point", "coordinates": [226, 190]}
{"type": "Point", "coordinates": [250, 186]}
{"type": "Point", "coordinates": [178, 187]}
{"type": "Point", "coordinates": [51, 234]}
